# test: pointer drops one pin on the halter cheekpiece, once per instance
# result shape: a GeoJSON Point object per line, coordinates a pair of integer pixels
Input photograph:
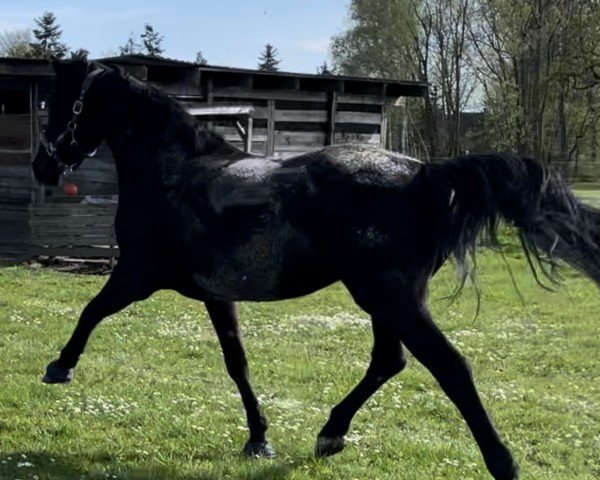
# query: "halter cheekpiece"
{"type": "Point", "coordinates": [71, 127]}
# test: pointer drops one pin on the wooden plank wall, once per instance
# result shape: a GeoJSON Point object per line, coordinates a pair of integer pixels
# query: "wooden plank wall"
{"type": "Point", "coordinates": [287, 121]}
{"type": "Point", "coordinates": [15, 158]}
{"type": "Point", "coordinates": [300, 125]}
{"type": "Point", "coordinates": [73, 229]}
{"type": "Point", "coordinates": [14, 232]}
{"type": "Point", "coordinates": [15, 186]}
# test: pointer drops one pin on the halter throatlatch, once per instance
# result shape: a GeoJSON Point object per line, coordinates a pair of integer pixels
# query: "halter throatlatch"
{"type": "Point", "coordinates": [70, 129]}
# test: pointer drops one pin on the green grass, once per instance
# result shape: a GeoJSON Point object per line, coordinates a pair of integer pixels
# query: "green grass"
{"type": "Point", "coordinates": [590, 196]}
{"type": "Point", "coordinates": [151, 398]}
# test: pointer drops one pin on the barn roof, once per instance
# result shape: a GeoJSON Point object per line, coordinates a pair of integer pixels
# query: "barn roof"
{"type": "Point", "coordinates": [25, 67]}
{"type": "Point", "coordinates": [20, 67]}
{"type": "Point", "coordinates": [391, 88]}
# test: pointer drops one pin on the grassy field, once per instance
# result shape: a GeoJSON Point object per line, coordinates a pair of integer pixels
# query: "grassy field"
{"type": "Point", "coordinates": [151, 398]}
{"type": "Point", "coordinates": [590, 195]}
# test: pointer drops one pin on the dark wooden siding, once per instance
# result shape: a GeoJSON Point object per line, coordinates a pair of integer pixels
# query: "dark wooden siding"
{"type": "Point", "coordinates": [292, 114]}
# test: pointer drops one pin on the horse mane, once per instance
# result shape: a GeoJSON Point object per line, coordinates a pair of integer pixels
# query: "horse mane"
{"type": "Point", "coordinates": [199, 138]}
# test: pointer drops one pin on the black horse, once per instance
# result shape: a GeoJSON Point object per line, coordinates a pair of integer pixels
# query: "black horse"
{"type": "Point", "coordinates": [199, 216]}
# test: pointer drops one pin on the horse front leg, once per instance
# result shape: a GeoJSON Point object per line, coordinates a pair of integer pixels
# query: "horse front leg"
{"type": "Point", "coordinates": [122, 288]}
{"type": "Point", "coordinates": [224, 318]}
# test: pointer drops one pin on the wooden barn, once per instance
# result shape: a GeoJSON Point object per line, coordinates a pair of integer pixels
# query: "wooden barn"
{"type": "Point", "coordinates": [22, 82]}
{"type": "Point", "coordinates": [275, 114]}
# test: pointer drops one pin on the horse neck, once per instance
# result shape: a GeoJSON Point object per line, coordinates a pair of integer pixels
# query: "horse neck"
{"type": "Point", "coordinates": [156, 146]}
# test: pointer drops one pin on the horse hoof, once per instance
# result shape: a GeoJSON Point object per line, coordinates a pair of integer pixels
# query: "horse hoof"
{"type": "Point", "coordinates": [328, 446]}
{"type": "Point", "coordinates": [56, 374]}
{"type": "Point", "coordinates": [261, 449]}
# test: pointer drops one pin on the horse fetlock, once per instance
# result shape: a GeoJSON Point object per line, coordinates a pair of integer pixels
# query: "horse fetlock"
{"type": "Point", "coordinates": [328, 446]}
{"type": "Point", "coordinates": [57, 374]}
{"type": "Point", "coordinates": [258, 449]}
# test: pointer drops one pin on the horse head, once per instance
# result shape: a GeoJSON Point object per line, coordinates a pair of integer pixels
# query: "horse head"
{"type": "Point", "coordinates": [74, 128]}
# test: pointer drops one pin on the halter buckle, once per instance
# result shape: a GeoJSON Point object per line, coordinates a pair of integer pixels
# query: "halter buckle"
{"type": "Point", "coordinates": [77, 107]}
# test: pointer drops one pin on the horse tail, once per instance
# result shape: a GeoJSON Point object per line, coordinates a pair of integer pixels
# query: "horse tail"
{"type": "Point", "coordinates": [475, 192]}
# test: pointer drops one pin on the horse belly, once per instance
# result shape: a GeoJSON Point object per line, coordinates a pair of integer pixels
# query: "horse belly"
{"type": "Point", "coordinates": [271, 265]}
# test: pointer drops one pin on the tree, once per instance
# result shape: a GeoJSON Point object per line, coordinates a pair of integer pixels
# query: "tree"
{"type": "Point", "coordinates": [324, 69]}
{"type": "Point", "coordinates": [537, 65]}
{"type": "Point", "coordinates": [268, 59]}
{"type": "Point", "coordinates": [131, 47]}
{"type": "Point", "coordinates": [534, 65]}
{"type": "Point", "coordinates": [151, 41]}
{"type": "Point", "coordinates": [48, 33]}
{"type": "Point", "coordinates": [379, 40]}
{"type": "Point", "coordinates": [419, 40]}
{"type": "Point", "coordinates": [451, 69]}
{"type": "Point", "coordinates": [15, 43]}
{"type": "Point", "coordinates": [200, 60]}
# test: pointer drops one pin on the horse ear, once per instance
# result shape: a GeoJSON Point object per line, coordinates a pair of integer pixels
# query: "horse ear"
{"type": "Point", "coordinates": [94, 65]}
{"type": "Point", "coordinates": [115, 66]}
{"type": "Point", "coordinates": [120, 69]}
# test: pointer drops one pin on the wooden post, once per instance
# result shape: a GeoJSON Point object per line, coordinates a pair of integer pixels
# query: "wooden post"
{"type": "Point", "coordinates": [33, 136]}
{"type": "Point", "coordinates": [404, 139]}
{"type": "Point", "coordinates": [209, 90]}
{"type": "Point", "coordinates": [38, 190]}
{"type": "Point", "coordinates": [248, 137]}
{"type": "Point", "coordinates": [331, 114]}
{"type": "Point", "coordinates": [270, 128]}
{"type": "Point", "coordinates": [383, 129]}
{"type": "Point", "coordinates": [209, 98]}
{"type": "Point", "coordinates": [33, 144]}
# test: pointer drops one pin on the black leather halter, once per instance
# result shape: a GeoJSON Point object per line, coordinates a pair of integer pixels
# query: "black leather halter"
{"type": "Point", "coordinates": [71, 127]}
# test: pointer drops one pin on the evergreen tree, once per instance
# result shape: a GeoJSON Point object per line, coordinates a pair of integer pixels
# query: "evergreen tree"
{"type": "Point", "coordinates": [200, 60]}
{"type": "Point", "coordinates": [151, 41]}
{"type": "Point", "coordinates": [48, 44]}
{"type": "Point", "coordinates": [324, 69]}
{"type": "Point", "coordinates": [268, 59]}
{"type": "Point", "coordinates": [131, 47]}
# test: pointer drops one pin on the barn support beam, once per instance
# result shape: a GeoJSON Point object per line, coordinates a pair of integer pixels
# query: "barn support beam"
{"type": "Point", "coordinates": [245, 132]}
{"type": "Point", "coordinates": [331, 115]}
{"type": "Point", "coordinates": [270, 150]}
{"type": "Point", "coordinates": [384, 126]}
{"type": "Point", "coordinates": [248, 137]}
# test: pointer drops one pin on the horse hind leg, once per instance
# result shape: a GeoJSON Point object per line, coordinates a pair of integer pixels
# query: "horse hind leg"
{"type": "Point", "coordinates": [224, 319]}
{"type": "Point", "coordinates": [387, 359]}
{"type": "Point", "coordinates": [400, 316]}
{"type": "Point", "coordinates": [430, 347]}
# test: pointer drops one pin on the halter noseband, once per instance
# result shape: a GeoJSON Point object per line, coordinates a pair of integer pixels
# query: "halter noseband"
{"type": "Point", "coordinates": [70, 129]}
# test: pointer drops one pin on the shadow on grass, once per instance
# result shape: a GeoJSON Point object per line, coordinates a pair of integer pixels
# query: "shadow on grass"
{"type": "Point", "coordinates": [51, 466]}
